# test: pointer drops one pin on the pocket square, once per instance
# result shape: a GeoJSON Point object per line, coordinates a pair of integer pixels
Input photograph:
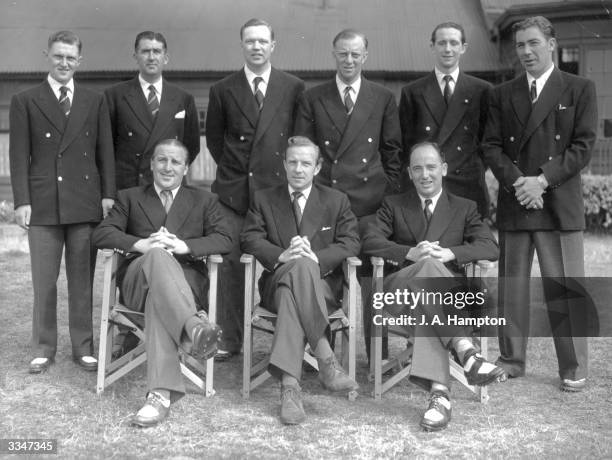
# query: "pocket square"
{"type": "Point", "coordinates": [325, 228]}
{"type": "Point", "coordinates": [180, 114]}
{"type": "Point", "coordinates": [561, 107]}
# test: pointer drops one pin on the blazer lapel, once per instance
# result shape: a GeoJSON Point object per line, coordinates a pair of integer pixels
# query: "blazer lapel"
{"type": "Point", "coordinates": [313, 215]}
{"type": "Point", "coordinates": [275, 94]}
{"type": "Point", "coordinates": [333, 105]}
{"type": "Point", "coordinates": [136, 101]}
{"type": "Point", "coordinates": [245, 100]}
{"type": "Point", "coordinates": [359, 116]}
{"type": "Point", "coordinates": [49, 106]}
{"type": "Point", "coordinates": [440, 220]}
{"type": "Point", "coordinates": [454, 113]}
{"type": "Point", "coordinates": [283, 216]}
{"type": "Point", "coordinates": [414, 218]}
{"type": "Point", "coordinates": [79, 108]}
{"type": "Point", "coordinates": [554, 87]}
{"type": "Point", "coordinates": [152, 208]}
{"type": "Point", "coordinates": [167, 110]}
{"type": "Point", "coordinates": [181, 207]}
{"type": "Point", "coordinates": [434, 101]}
{"type": "Point", "coordinates": [520, 99]}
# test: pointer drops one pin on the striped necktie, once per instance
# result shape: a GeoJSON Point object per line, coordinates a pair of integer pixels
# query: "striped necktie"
{"type": "Point", "coordinates": [447, 89]}
{"type": "Point", "coordinates": [348, 101]}
{"type": "Point", "coordinates": [166, 196]}
{"type": "Point", "coordinates": [259, 97]}
{"type": "Point", "coordinates": [297, 211]}
{"type": "Point", "coordinates": [152, 101]}
{"type": "Point", "coordinates": [64, 101]}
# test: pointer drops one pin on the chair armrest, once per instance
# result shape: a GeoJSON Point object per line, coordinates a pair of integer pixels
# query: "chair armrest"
{"type": "Point", "coordinates": [214, 259]}
{"type": "Point", "coordinates": [107, 253]}
{"type": "Point", "coordinates": [377, 261]}
{"type": "Point", "coordinates": [247, 259]}
{"type": "Point", "coordinates": [353, 261]}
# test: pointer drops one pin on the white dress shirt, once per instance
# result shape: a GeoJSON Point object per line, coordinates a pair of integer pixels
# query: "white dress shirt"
{"type": "Point", "coordinates": [441, 83]}
{"type": "Point", "coordinates": [56, 85]}
{"type": "Point", "coordinates": [145, 87]}
{"type": "Point", "coordinates": [263, 85]}
{"type": "Point", "coordinates": [540, 82]}
{"type": "Point", "coordinates": [355, 87]}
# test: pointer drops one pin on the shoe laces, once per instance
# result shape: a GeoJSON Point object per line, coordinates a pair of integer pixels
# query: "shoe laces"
{"type": "Point", "coordinates": [435, 402]}
{"type": "Point", "coordinates": [289, 391]}
{"type": "Point", "coordinates": [155, 397]}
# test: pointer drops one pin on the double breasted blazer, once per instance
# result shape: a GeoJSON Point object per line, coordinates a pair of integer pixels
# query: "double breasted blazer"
{"type": "Point", "coordinates": [136, 132]}
{"type": "Point", "coordinates": [61, 166]}
{"type": "Point", "coordinates": [360, 151]}
{"type": "Point", "coordinates": [456, 224]}
{"type": "Point", "coordinates": [327, 221]}
{"type": "Point", "coordinates": [248, 145]}
{"type": "Point", "coordinates": [553, 137]}
{"type": "Point", "coordinates": [457, 129]}
{"type": "Point", "coordinates": [195, 217]}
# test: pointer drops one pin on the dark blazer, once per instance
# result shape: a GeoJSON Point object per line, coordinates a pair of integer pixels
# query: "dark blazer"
{"type": "Point", "coordinates": [135, 133]}
{"type": "Point", "coordinates": [555, 138]}
{"type": "Point", "coordinates": [400, 225]}
{"type": "Point", "coordinates": [62, 168]}
{"type": "Point", "coordinates": [247, 145]}
{"type": "Point", "coordinates": [327, 221]}
{"type": "Point", "coordinates": [195, 217]}
{"type": "Point", "coordinates": [361, 152]}
{"type": "Point", "coordinates": [456, 129]}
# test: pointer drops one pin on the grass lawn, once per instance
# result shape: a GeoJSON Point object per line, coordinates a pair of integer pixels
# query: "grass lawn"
{"type": "Point", "coordinates": [527, 417]}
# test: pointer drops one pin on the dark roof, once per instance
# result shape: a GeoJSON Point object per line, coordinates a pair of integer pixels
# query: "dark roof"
{"type": "Point", "coordinates": [203, 34]}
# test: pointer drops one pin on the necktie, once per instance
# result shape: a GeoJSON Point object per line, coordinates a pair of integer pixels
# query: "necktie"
{"type": "Point", "coordinates": [259, 97]}
{"type": "Point", "coordinates": [348, 101]}
{"type": "Point", "coordinates": [533, 92]}
{"type": "Point", "coordinates": [297, 211]}
{"type": "Point", "coordinates": [447, 89]}
{"type": "Point", "coordinates": [64, 100]}
{"type": "Point", "coordinates": [152, 101]}
{"type": "Point", "coordinates": [166, 196]}
{"type": "Point", "coordinates": [427, 210]}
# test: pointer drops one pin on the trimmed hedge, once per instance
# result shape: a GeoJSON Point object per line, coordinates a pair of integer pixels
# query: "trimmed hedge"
{"type": "Point", "coordinates": [597, 194]}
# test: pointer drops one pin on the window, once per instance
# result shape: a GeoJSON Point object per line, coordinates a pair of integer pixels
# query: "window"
{"type": "Point", "coordinates": [569, 59]}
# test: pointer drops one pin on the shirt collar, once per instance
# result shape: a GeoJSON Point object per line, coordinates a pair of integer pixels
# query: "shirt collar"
{"type": "Point", "coordinates": [250, 76]}
{"type": "Point", "coordinates": [434, 200]}
{"type": "Point", "coordinates": [355, 87]}
{"type": "Point", "coordinates": [56, 85]}
{"type": "Point", "coordinates": [305, 192]}
{"type": "Point", "coordinates": [159, 190]}
{"type": "Point", "coordinates": [541, 80]}
{"type": "Point", "coordinates": [145, 86]}
{"type": "Point", "coordinates": [440, 75]}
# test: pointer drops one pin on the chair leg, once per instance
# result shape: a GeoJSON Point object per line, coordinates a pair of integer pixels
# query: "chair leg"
{"type": "Point", "coordinates": [248, 331]}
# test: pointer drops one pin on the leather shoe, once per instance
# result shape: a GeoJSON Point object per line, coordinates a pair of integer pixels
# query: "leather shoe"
{"type": "Point", "coordinates": [89, 363]}
{"type": "Point", "coordinates": [153, 412]}
{"type": "Point", "coordinates": [438, 413]}
{"type": "Point", "coordinates": [205, 336]}
{"type": "Point", "coordinates": [475, 377]}
{"type": "Point", "coordinates": [573, 386]}
{"type": "Point", "coordinates": [292, 409]}
{"type": "Point", "coordinates": [333, 376]}
{"type": "Point", "coordinates": [40, 365]}
{"type": "Point", "coordinates": [222, 356]}
{"type": "Point", "coordinates": [124, 342]}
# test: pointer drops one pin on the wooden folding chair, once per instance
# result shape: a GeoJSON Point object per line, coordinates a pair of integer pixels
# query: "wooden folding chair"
{"type": "Point", "coordinates": [399, 365]}
{"type": "Point", "coordinates": [256, 316]}
{"type": "Point", "coordinates": [115, 314]}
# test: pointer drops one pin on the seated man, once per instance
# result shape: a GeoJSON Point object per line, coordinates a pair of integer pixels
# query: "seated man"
{"type": "Point", "coordinates": [301, 233]}
{"type": "Point", "coordinates": [429, 233]}
{"type": "Point", "coordinates": [162, 229]}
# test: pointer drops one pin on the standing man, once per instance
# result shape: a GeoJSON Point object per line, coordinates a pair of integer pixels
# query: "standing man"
{"type": "Point", "coordinates": [250, 117]}
{"type": "Point", "coordinates": [63, 181]}
{"type": "Point", "coordinates": [355, 124]}
{"type": "Point", "coordinates": [301, 232]}
{"type": "Point", "coordinates": [164, 229]}
{"type": "Point", "coordinates": [448, 107]}
{"type": "Point", "coordinates": [147, 109]}
{"type": "Point", "coordinates": [539, 136]}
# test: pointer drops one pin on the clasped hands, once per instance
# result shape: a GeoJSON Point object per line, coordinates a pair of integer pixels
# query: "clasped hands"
{"type": "Point", "coordinates": [299, 247]}
{"type": "Point", "coordinates": [529, 190]}
{"type": "Point", "coordinates": [426, 249]}
{"type": "Point", "coordinates": [162, 239]}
